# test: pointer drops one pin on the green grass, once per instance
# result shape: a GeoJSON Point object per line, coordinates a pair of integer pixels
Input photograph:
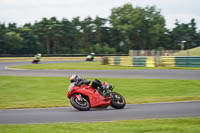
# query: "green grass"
{"type": "Point", "coordinates": [30, 92]}
{"type": "Point", "coordinates": [91, 66]}
{"type": "Point", "coordinates": [178, 125]}
{"type": "Point", "coordinates": [189, 52]}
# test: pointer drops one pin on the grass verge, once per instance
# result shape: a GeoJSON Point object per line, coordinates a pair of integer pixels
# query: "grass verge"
{"type": "Point", "coordinates": [189, 52]}
{"type": "Point", "coordinates": [178, 125]}
{"type": "Point", "coordinates": [31, 92]}
{"type": "Point", "coordinates": [91, 66]}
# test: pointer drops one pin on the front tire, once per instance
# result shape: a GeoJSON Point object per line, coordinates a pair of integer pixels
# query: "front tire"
{"type": "Point", "coordinates": [118, 101]}
{"type": "Point", "coordinates": [82, 105]}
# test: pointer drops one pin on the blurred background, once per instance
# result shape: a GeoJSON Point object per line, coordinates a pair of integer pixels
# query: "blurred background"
{"type": "Point", "coordinates": [136, 28]}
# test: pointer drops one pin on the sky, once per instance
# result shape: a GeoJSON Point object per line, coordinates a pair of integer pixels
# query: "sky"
{"type": "Point", "coordinates": [29, 11]}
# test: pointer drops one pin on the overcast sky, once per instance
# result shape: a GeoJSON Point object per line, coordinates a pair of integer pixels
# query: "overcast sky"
{"type": "Point", "coordinates": [25, 11]}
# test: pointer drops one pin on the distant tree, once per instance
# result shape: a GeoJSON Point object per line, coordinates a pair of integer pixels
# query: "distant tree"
{"type": "Point", "coordinates": [139, 28]}
{"type": "Point", "coordinates": [11, 41]}
{"type": "Point", "coordinates": [165, 40]}
{"type": "Point", "coordinates": [103, 49]}
{"type": "Point", "coordinates": [87, 34]}
{"type": "Point", "coordinates": [126, 28]}
{"type": "Point", "coordinates": [101, 31]}
{"type": "Point", "coordinates": [49, 31]}
{"type": "Point", "coordinates": [185, 32]}
{"type": "Point", "coordinates": [2, 38]}
{"type": "Point", "coordinates": [69, 38]}
{"type": "Point", "coordinates": [30, 40]}
{"type": "Point", "coordinates": [14, 42]}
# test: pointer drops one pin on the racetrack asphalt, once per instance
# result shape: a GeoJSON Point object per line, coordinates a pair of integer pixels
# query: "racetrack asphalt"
{"type": "Point", "coordinates": [130, 112]}
{"type": "Point", "coordinates": [145, 74]}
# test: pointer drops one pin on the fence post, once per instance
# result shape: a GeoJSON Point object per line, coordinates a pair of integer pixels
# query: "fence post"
{"type": "Point", "coordinates": [157, 60]}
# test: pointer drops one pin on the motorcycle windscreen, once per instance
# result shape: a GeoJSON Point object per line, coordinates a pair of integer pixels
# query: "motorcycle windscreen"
{"type": "Point", "coordinates": [70, 87]}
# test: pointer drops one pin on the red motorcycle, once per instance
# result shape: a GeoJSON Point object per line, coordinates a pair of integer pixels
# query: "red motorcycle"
{"type": "Point", "coordinates": [84, 96]}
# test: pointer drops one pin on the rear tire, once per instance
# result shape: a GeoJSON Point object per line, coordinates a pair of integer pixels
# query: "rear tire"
{"type": "Point", "coordinates": [35, 61]}
{"type": "Point", "coordinates": [118, 101]}
{"type": "Point", "coordinates": [83, 105]}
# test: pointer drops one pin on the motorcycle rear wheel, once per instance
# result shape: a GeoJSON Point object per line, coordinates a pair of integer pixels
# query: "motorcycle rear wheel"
{"type": "Point", "coordinates": [118, 101]}
{"type": "Point", "coordinates": [82, 105]}
{"type": "Point", "coordinates": [35, 61]}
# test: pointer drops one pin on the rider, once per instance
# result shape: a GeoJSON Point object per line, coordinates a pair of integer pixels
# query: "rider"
{"type": "Point", "coordinates": [90, 57]}
{"type": "Point", "coordinates": [96, 84]}
{"type": "Point", "coordinates": [78, 81]}
{"type": "Point", "coordinates": [37, 56]}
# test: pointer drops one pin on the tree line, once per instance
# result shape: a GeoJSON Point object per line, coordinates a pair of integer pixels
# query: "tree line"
{"type": "Point", "coordinates": [126, 28]}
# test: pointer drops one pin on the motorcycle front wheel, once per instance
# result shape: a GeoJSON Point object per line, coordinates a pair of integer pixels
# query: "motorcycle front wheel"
{"type": "Point", "coordinates": [82, 105]}
{"type": "Point", "coordinates": [117, 101]}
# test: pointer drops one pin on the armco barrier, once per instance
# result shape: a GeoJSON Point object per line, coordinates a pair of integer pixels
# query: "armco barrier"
{"type": "Point", "coordinates": [117, 60]}
{"type": "Point", "coordinates": [126, 61]}
{"type": "Point", "coordinates": [167, 61]}
{"type": "Point", "coordinates": [139, 61]}
{"type": "Point", "coordinates": [150, 61]}
{"type": "Point", "coordinates": [132, 61]}
{"type": "Point", "coordinates": [187, 61]}
{"type": "Point", "coordinates": [111, 60]}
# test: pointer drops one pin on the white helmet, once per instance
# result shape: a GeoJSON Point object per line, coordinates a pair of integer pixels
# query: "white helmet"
{"type": "Point", "coordinates": [74, 78]}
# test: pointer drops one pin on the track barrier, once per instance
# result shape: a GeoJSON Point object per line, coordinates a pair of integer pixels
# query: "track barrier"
{"type": "Point", "coordinates": [153, 61]}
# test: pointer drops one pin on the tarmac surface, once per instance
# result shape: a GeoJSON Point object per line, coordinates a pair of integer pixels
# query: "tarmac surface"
{"type": "Point", "coordinates": [145, 74]}
{"type": "Point", "coordinates": [130, 112]}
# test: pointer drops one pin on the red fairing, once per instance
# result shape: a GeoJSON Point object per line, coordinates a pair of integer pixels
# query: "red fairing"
{"type": "Point", "coordinates": [95, 99]}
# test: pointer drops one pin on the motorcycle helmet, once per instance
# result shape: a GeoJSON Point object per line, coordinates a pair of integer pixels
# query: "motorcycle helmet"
{"type": "Point", "coordinates": [110, 86]}
{"type": "Point", "coordinates": [74, 78]}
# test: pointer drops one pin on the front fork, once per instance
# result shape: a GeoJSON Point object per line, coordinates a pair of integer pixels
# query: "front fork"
{"type": "Point", "coordinates": [79, 97]}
